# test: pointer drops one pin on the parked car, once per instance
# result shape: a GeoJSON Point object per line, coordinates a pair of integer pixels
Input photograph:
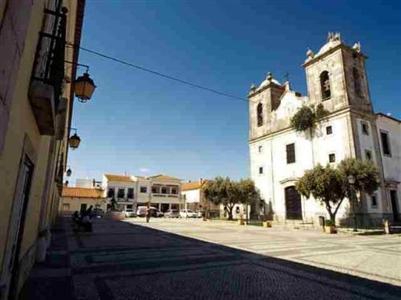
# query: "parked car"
{"type": "Point", "coordinates": [172, 213]}
{"type": "Point", "coordinates": [154, 212]}
{"type": "Point", "coordinates": [187, 213]}
{"type": "Point", "coordinates": [129, 213]}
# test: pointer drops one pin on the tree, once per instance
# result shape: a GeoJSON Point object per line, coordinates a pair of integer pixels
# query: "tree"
{"type": "Point", "coordinates": [330, 186]}
{"type": "Point", "coordinates": [248, 193]}
{"type": "Point", "coordinates": [325, 184]}
{"type": "Point", "coordinates": [365, 173]}
{"type": "Point", "coordinates": [224, 191]}
{"type": "Point", "coordinates": [220, 191]}
{"type": "Point", "coordinates": [307, 117]}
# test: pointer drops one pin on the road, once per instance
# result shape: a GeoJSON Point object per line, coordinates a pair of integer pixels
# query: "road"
{"type": "Point", "coordinates": [132, 260]}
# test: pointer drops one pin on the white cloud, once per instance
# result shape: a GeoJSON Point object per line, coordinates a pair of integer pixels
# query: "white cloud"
{"type": "Point", "coordinates": [144, 170]}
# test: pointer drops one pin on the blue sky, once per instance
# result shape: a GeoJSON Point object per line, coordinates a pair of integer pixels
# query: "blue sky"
{"type": "Point", "coordinates": [142, 124]}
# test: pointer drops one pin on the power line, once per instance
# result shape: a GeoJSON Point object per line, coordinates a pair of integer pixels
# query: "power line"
{"type": "Point", "coordinates": [195, 85]}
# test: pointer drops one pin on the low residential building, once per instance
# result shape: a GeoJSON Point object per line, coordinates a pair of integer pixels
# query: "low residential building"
{"type": "Point", "coordinates": [162, 191]}
{"type": "Point", "coordinates": [165, 192]}
{"type": "Point", "coordinates": [79, 199]}
{"type": "Point", "coordinates": [122, 188]}
{"type": "Point", "coordinates": [194, 198]}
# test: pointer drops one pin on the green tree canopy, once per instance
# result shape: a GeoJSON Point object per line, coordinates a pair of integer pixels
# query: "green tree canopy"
{"type": "Point", "coordinates": [325, 184]}
{"type": "Point", "coordinates": [307, 117]}
{"type": "Point", "coordinates": [365, 173]}
{"type": "Point", "coordinates": [226, 192]}
{"type": "Point", "coordinates": [330, 185]}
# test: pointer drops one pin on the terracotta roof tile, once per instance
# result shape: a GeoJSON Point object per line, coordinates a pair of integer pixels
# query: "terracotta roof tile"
{"type": "Point", "coordinates": [192, 185]}
{"type": "Point", "coordinates": [164, 177]}
{"type": "Point", "coordinates": [77, 192]}
{"type": "Point", "coordinates": [124, 178]}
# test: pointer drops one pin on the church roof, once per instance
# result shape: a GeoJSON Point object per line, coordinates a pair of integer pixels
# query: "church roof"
{"type": "Point", "coordinates": [333, 40]}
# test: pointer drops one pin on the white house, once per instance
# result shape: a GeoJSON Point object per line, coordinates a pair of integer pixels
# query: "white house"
{"type": "Point", "coordinates": [162, 191]}
{"type": "Point", "coordinates": [336, 78]}
{"type": "Point", "coordinates": [194, 198]}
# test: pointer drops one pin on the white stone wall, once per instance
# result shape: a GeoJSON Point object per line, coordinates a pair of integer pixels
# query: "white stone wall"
{"type": "Point", "coordinates": [277, 174]}
{"type": "Point", "coordinates": [191, 196]}
{"type": "Point", "coordinates": [347, 109]}
{"type": "Point", "coordinates": [391, 164]}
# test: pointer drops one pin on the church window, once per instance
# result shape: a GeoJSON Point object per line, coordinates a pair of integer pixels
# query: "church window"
{"type": "Point", "coordinates": [325, 85]}
{"type": "Point", "coordinates": [259, 112]}
{"type": "Point", "coordinates": [357, 82]}
{"type": "Point", "coordinates": [385, 143]}
{"type": "Point", "coordinates": [368, 154]}
{"type": "Point", "coordinates": [365, 128]}
{"type": "Point", "coordinates": [329, 130]}
{"type": "Point", "coordinates": [332, 157]}
{"type": "Point", "coordinates": [260, 170]}
{"type": "Point", "coordinates": [290, 149]}
{"type": "Point", "coordinates": [260, 149]}
{"type": "Point", "coordinates": [373, 200]}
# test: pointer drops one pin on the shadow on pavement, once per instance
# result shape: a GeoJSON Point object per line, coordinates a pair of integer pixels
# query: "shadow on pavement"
{"type": "Point", "coordinates": [120, 260]}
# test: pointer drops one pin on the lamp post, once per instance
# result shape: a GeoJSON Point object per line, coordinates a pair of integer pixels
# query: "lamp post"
{"type": "Point", "coordinates": [68, 172]}
{"type": "Point", "coordinates": [351, 181]}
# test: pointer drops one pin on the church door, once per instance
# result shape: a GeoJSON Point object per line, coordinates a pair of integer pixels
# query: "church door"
{"type": "Point", "coordinates": [293, 204]}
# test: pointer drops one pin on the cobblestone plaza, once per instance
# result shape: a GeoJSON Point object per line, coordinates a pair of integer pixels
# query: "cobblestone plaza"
{"type": "Point", "coordinates": [191, 259]}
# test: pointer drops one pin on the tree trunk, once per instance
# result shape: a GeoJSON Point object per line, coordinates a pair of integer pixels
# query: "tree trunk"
{"type": "Point", "coordinates": [230, 212]}
{"type": "Point", "coordinates": [331, 213]}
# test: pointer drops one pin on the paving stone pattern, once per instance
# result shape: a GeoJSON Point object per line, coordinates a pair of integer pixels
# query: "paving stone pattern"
{"type": "Point", "coordinates": [122, 260]}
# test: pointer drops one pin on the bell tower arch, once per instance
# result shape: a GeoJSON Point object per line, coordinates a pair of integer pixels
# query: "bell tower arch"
{"type": "Point", "coordinates": [336, 76]}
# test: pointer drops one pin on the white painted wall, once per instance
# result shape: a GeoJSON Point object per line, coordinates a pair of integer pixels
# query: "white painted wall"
{"type": "Point", "coordinates": [391, 164]}
{"type": "Point", "coordinates": [191, 196]}
{"type": "Point", "coordinates": [278, 174]}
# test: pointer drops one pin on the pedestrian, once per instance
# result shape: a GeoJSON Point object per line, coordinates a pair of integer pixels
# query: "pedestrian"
{"type": "Point", "coordinates": [147, 215]}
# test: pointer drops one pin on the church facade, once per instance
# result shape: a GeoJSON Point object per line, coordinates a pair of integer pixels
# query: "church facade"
{"type": "Point", "coordinates": [336, 78]}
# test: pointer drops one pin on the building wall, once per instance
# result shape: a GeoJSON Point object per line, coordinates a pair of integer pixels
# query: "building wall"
{"type": "Point", "coordinates": [143, 198]}
{"type": "Point", "coordinates": [75, 204]}
{"type": "Point", "coordinates": [348, 109]}
{"type": "Point", "coordinates": [277, 174]}
{"type": "Point", "coordinates": [19, 135]}
{"type": "Point", "coordinates": [391, 164]}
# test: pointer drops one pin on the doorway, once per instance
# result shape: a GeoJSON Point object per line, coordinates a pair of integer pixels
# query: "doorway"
{"type": "Point", "coordinates": [83, 207]}
{"type": "Point", "coordinates": [293, 206]}
{"type": "Point", "coordinates": [17, 225]}
{"type": "Point", "coordinates": [394, 204]}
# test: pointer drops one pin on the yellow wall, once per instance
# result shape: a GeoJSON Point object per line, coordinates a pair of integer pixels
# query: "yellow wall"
{"type": "Point", "coordinates": [21, 123]}
{"type": "Point", "coordinates": [75, 204]}
{"type": "Point", "coordinates": [43, 203]}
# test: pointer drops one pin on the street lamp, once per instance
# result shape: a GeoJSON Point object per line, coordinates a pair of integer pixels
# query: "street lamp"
{"type": "Point", "coordinates": [74, 140]}
{"type": "Point", "coordinates": [351, 181]}
{"type": "Point", "coordinates": [84, 87]}
{"type": "Point", "coordinates": [68, 172]}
